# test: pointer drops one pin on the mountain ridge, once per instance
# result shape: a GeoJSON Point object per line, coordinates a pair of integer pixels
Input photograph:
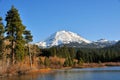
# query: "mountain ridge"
{"type": "Point", "coordinates": [67, 37]}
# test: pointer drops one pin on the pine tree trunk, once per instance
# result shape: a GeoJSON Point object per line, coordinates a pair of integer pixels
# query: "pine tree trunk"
{"type": "Point", "coordinates": [30, 56]}
{"type": "Point", "coordinates": [13, 55]}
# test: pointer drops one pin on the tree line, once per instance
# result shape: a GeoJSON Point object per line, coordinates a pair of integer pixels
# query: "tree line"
{"type": "Point", "coordinates": [84, 55]}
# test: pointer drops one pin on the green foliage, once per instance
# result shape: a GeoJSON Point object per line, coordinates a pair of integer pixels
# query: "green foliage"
{"type": "Point", "coordinates": [28, 37]}
{"type": "Point", "coordinates": [47, 61]}
{"type": "Point", "coordinates": [108, 54]}
{"type": "Point", "coordinates": [34, 49]}
{"type": "Point", "coordinates": [14, 26]}
{"type": "Point", "coordinates": [72, 52]}
{"type": "Point", "coordinates": [17, 34]}
{"type": "Point", "coordinates": [68, 62]}
{"type": "Point", "coordinates": [62, 52]}
{"type": "Point", "coordinates": [86, 55]}
{"type": "Point", "coordinates": [1, 29]}
{"type": "Point", "coordinates": [99, 62]}
{"type": "Point", "coordinates": [2, 45]}
{"type": "Point", "coordinates": [79, 54]}
{"type": "Point", "coordinates": [40, 61]}
{"type": "Point", "coordinates": [19, 50]}
{"type": "Point", "coordinates": [45, 52]}
{"type": "Point", "coordinates": [53, 51]}
{"type": "Point", "coordinates": [80, 62]}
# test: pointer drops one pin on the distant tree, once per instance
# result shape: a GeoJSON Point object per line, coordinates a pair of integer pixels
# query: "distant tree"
{"type": "Point", "coordinates": [34, 51]}
{"type": "Point", "coordinates": [53, 51]}
{"type": "Point", "coordinates": [47, 62]}
{"type": "Point", "coordinates": [63, 52]}
{"type": "Point", "coordinates": [79, 54]}
{"type": "Point", "coordinates": [68, 62]}
{"type": "Point", "coordinates": [72, 52]}
{"type": "Point", "coordinates": [80, 62]}
{"type": "Point", "coordinates": [45, 52]}
{"type": "Point", "coordinates": [40, 61]}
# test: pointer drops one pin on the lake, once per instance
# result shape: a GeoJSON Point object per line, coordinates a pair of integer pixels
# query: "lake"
{"type": "Point", "coordinates": [106, 73]}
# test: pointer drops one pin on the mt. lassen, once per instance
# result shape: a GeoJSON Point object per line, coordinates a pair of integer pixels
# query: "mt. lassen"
{"type": "Point", "coordinates": [67, 38]}
{"type": "Point", "coordinates": [62, 37]}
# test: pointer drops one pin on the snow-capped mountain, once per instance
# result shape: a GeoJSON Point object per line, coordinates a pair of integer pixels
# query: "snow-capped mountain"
{"type": "Point", "coordinates": [104, 42]}
{"type": "Point", "coordinates": [71, 39]}
{"type": "Point", "coordinates": [62, 37]}
{"type": "Point", "coordinates": [101, 43]}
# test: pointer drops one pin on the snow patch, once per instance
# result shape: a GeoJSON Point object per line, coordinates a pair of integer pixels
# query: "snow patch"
{"type": "Point", "coordinates": [62, 37]}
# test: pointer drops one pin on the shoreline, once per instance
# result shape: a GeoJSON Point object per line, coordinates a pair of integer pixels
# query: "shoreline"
{"type": "Point", "coordinates": [84, 65]}
{"type": "Point", "coordinates": [94, 65]}
{"type": "Point", "coordinates": [49, 70]}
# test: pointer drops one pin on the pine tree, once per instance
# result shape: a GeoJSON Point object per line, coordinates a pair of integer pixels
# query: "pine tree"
{"type": "Point", "coordinates": [1, 38]}
{"type": "Point", "coordinates": [28, 38]}
{"type": "Point", "coordinates": [53, 51]}
{"type": "Point", "coordinates": [46, 62]}
{"type": "Point", "coordinates": [40, 61]}
{"type": "Point", "coordinates": [66, 63]}
{"type": "Point", "coordinates": [1, 29]}
{"type": "Point", "coordinates": [72, 52]}
{"type": "Point", "coordinates": [15, 34]}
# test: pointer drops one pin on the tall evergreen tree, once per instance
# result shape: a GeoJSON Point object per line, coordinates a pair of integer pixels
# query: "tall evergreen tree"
{"type": "Point", "coordinates": [1, 38]}
{"type": "Point", "coordinates": [28, 38]}
{"type": "Point", "coordinates": [1, 29]}
{"type": "Point", "coordinates": [15, 34]}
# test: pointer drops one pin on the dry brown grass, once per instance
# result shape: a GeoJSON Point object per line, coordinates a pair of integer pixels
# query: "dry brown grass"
{"type": "Point", "coordinates": [56, 62]}
{"type": "Point", "coordinates": [24, 67]}
{"type": "Point", "coordinates": [57, 59]}
{"type": "Point", "coordinates": [87, 65]}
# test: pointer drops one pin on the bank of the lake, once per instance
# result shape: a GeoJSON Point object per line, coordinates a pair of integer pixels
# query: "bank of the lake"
{"type": "Point", "coordinates": [49, 70]}
{"type": "Point", "coordinates": [93, 65]}
{"type": "Point", "coordinates": [100, 73]}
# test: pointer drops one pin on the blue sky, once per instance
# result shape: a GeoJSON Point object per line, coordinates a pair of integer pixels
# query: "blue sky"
{"type": "Point", "coordinates": [92, 19]}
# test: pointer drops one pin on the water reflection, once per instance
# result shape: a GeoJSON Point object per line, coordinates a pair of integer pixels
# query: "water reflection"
{"type": "Point", "coordinates": [74, 74]}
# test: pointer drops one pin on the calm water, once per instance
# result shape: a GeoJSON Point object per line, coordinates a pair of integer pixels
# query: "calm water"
{"type": "Point", "coordinates": [108, 73]}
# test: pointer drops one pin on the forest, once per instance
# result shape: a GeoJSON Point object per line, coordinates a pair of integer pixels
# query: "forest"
{"type": "Point", "coordinates": [85, 55]}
